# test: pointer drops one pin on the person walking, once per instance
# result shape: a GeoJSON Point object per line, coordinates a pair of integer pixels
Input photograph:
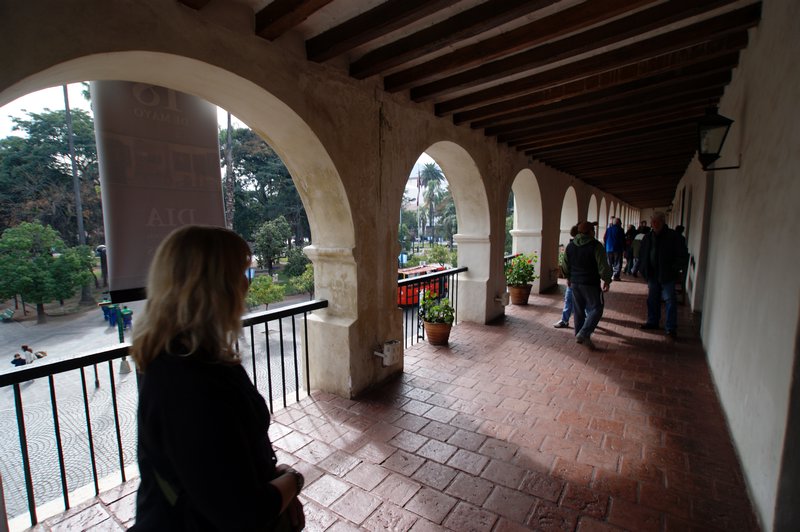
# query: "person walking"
{"type": "Point", "coordinates": [585, 265]}
{"type": "Point", "coordinates": [567, 311]}
{"type": "Point", "coordinates": [205, 458]}
{"type": "Point", "coordinates": [18, 360]}
{"type": "Point", "coordinates": [615, 246]}
{"type": "Point", "coordinates": [630, 234]}
{"type": "Point", "coordinates": [662, 256]}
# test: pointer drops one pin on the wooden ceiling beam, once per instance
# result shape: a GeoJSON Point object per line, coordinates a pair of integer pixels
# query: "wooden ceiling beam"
{"type": "Point", "coordinates": [622, 155]}
{"type": "Point", "coordinates": [609, 34]}
{"type": "Point", "coordinates": [654, 103]}
{"type": "Point", "coordinates": [195, 4]}
{"type": "Point", "coordinates": [639, 88]}
{"type": "Point", "coordinates": [464, 25]}
{"type": "Point", "coordinates": [382, 19]}
{"type": "Point", "coordinates": [562, 23]}
{"type": "Point", "coordinates": [673, 44]}
{"type": "Point", "coordinates": [282, 15]}
{"type": "Point", "coordinates": [640, 138]}
{"type": "Point", "coordinates": [583, 130]}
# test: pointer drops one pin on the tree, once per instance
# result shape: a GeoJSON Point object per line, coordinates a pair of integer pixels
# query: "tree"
{"type": "Point", "coordinates": [433, 194]}
{"type": "Point", "coordinates": [264, 291]}
{"type": "Point", "coordinates": [430, 173]}
{"type": "Point", "coordinates": [439, 254]}
{"type": "Point", "coordinates": [447, 215]}
{"type": "Point", "coordinates": [264, 188]}
{"type": "Point", "coordinates": [36, 176]}
{"type": "Point", "coordinates": [304, 283]}
{"type": "Point", "coordinates": [35, 263]}
{"type": "Point", "coordinates": [296, 262]}
{"type": "Point", "coordinates": [271, 241]}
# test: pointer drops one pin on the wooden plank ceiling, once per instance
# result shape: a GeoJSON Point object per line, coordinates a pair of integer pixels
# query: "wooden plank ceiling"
{"type": "Point", "coordinates": [608, 91]}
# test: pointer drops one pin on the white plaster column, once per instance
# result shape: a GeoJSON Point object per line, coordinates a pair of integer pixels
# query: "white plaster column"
{"type": "Point", "coordinates": [473, 294]}
{"type": "Point", "coordinates": [524, 241]}
{"type": "Point", "coordinates": [330, 331]}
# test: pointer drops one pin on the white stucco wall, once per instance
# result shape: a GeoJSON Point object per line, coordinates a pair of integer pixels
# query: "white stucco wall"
{"type": "Point", "coordinates": [750, 310]}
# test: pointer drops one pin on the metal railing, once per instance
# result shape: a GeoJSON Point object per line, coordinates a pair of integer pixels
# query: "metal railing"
{"type": "Point", "coordinates": [70, 436]}
{"type": "Point", "coordinates": [508, 258]}
{"type": "Point", "coordinates": [409, 291]}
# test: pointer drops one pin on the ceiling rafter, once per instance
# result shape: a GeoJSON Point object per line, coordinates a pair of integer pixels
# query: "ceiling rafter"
{"type": "Point", "coordinates": [593, 90]}
{"type": "Point", "coordinates": [282, 15]}
{"type": "Point", "coordinates": [538, 32]}
{"type": "Point", "coordinates": [570, 47]}
{"type": "Point", "coordinates": [375, 23]}
{"type": "Point", "coordinates": [469, 23]}
{"type": "Point", "coordinates": [654, 100]}
{"type": "Point", "coordinates": [674, 42]}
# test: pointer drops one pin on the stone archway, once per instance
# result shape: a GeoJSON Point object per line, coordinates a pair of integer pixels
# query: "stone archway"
{"type": "Point", "coordinates": [602, 218]}
{"type": "Point", "coordinates": [312, 169]}
{"type": "Point", "coordinates": [591, 212]}
{"type": "Point", "coordinates": [527, 230]}
{"type": "Point", "coordinates": [472, 214]}
{"type": "Point", "coordinates": [569, 215]}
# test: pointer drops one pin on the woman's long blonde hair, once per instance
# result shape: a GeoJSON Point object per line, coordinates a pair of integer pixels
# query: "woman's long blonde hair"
{"type": "Point", "coordinates": [196, 290]}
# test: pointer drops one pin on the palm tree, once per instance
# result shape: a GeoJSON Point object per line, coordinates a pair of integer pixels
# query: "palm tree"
{"type": "Point", "coordinates": [447, 215]}
{"type": "Point", "coordinates": [433, 193]}
{"type": "Point", "coordinates": [429, 173]}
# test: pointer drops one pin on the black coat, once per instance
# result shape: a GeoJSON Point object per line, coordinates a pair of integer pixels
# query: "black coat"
{"type": "Point", "coordinates": [203, 431]}
{"type": "Point", "coordinates": [670, 253]}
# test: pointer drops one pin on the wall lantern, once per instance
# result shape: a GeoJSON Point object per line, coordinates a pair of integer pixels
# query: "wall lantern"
{"type": "Point", "coordinates": [712, 130]}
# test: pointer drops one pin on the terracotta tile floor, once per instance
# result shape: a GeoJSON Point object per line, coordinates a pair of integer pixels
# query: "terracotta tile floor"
{"type": "Point", "coordinates": [515, 427]}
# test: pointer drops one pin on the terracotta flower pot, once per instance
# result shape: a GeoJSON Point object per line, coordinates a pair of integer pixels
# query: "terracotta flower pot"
{"type": "Point", "coordinates": [519, 294]}
{"type": "Point", "coordinates": [437, 333]}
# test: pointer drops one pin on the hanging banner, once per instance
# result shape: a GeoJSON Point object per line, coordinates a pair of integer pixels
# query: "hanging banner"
{"type": "Point", "coordinates": [158, 154]}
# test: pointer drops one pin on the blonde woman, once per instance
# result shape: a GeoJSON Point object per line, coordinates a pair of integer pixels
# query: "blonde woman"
{"type": "Point", "coordinates": [205, 458]}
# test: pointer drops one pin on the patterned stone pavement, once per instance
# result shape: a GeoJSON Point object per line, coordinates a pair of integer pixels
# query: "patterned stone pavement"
{"type": "Point", "coordinates": [514, 427]}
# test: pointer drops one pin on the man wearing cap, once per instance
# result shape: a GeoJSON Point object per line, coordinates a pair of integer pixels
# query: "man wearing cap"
{"type": "Point", "coordinates": [585, 265]}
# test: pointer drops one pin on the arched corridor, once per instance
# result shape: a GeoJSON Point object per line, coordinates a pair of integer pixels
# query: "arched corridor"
{"type": "Point", "coordinates": [516, 425]}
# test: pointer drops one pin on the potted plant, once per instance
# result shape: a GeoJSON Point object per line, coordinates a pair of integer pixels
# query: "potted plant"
{"type": "Point", "coordinates": [520, 273]}
{"type": "Point", "coordinates": [437, 315]}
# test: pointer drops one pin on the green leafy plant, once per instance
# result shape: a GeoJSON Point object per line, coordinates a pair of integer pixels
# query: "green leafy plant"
{"type": "Point", "coordinates": [263, 292]}
{"type": "Point", "coordinates": [434, 309]}
{"type": "Point", "coordinates": [521, 269]}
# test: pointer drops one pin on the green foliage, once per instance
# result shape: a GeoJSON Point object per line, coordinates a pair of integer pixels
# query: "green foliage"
{"type": "Point", "coordinates": [414, 260]}
{"type": "Point", "coordinates": [35, 263]}
{"type": "Point", "coordinates": [509, 238]}
{"type": "Point", "coordinates": [304, 283]}
{"type": "Point", "coordinates": [263, 292]}
{"type": "Point", "coordinates": [264, 187]}
{"type": "Point", "coordinates": [272, 241]}
{"type": "Point", "coordinates": [36, 175]}
{"type": "Point", "coordinates": [296, 262]}
{"type": "Point", "coordinates": [439, 254]}
{"type": "Point", "coordinates": [434, 309]}
{"type": "Point", "coordinates": [520, 270]}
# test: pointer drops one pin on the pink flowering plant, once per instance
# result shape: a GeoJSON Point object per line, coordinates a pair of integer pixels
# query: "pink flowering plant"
{"type": "Point", "coordinates": [520, 270]}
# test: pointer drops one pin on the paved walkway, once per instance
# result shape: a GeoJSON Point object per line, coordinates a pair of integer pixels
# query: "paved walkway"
{"type": "Point", "coordinates": [514, 427]}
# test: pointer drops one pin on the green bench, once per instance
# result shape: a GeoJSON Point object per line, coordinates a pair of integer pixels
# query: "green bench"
{"type": "Point", "coordinates": [7, 314]}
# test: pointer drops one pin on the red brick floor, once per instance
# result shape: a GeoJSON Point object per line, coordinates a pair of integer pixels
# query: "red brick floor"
{"type": "Point", "coordinates": [515, 427]}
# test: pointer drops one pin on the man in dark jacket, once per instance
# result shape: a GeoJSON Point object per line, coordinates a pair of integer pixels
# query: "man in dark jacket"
{"type": "Point", "coordinates": [584, 266]}
{"type": "Point", "coordinates": [615, 246]}
{"type": "Point", "coordinates": [662, 255]}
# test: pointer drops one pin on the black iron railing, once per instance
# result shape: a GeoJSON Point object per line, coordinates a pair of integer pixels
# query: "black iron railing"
{"type": "Point", "coordinates": [508, 258]}
{"type": "Point", "coordinates": [409, 292]}
{"type": "Point", "coordinates": [70, 435]}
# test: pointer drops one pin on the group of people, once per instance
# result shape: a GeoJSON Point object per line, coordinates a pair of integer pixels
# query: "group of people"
{"type": "Point", "coordinates": [28, 356]}
{"type": "Point", "coordinates": [658, 252]}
